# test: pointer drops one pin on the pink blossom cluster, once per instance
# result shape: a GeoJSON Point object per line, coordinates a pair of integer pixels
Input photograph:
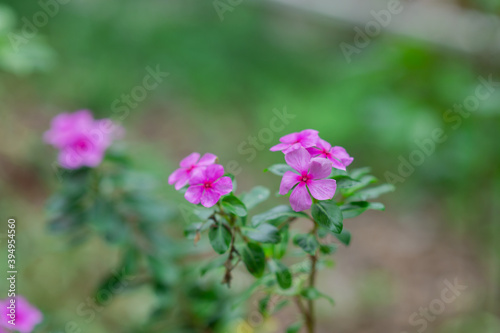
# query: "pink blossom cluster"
{"type": "Point", "coordinates": [313, 160]}
{"type": "Point", "coordinates": [205, 179]}
{"type": "Point", "coordinates": [81, 140]}
{"type": "Point", "coordinates": [17, 314]}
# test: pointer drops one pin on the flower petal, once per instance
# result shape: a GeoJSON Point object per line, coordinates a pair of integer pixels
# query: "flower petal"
{"type": "Point", "coordinates": [183, 181]}
{"type": "Point", "coordinates": [337, 164]}
{"type": "Point", "coordinates": [292, 147]}
{"type": "Point", "coordinates": [214, 172]}
{"type": "Point", "coordinates": [320, 168]}
{"type": "Point", "coordinates": [176, 175]}
{"type": "Point", "coordinates": [189, 160]}
{"type": "Point", "coordinates": [209, 198]}
{"type": "Point", "coordinates": [197, 176]}
{"type": "Point", "coordinates": [300, 199]}
{"type": "Point", "coordinates": [289, 179]}
{"type": "Point", "coordinates": [298, 159]}
{"type": "Point", "coordinates": [323, 189]}
{"type": "Point", "coordinates": [323, 145]}
{"type": "Point", "coordinates": [223, 186]}
{"type": "Point", "coordinates": [194, 193]}
{"type": "Point", "coordinates": [290, 138]}
{"type": "Point", "coordinates": [313, 151]}
{"type": "Point", "coordinates": [279, 146]}
{"type": "Point", "coordinates": [308, 138]}
{"type": "Point", "coordinates": [207, 159]}
{"type": "Point", "coordinates": [341, 154]}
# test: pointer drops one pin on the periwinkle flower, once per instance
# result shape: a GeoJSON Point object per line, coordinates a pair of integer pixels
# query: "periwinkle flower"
{"type": "Point", "coordinates": [188, 166]}
{"type": "Point", "coordinates": [207, 185]}
{"type": "Point", "coordinates": [81, 140]}
{"type": "Point", "coordinates": [337, 155]}
{"type": "Point", "coordinates": [310, 177]}
{"type": "Point", "coordinates": [24, 315]}
{"type": "Point", "coordinates": [306, 138]}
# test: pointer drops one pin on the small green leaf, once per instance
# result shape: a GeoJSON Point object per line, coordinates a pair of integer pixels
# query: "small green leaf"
{"type": "Point", "coordinates": [345, 181]}
{"type": "Point", "coordinates": [344, 237]}
{"type": "Point", "coordinates": [254, 258]}
{"type": "Point", "coordinates": [328, 248]}
{"type": "Point", "coordinates": [256, 195]}
{"type": "Point", "coordinates": [220, 238]}
{"type": "Point", "coordinates": [359, 172]}
{"type": "Point", "coordinates": [264, 233]}
{"type": "Point", "coordinates": [295, 327]}
{"type": "Point", "coordinates": [355, 208]}
{"type": "Point", "coordinates": [276, 215]}
{"type": "Point", "coordinates": [312, 293]}
{"type": "Point", "coordinates": [279, 169]}
{"type": "Point", "coordinates": [233, 205]}
{"type": "Point", "coordinates": [216, 263]}
{"type": "Point", "coordinates": [306, 242]}
{"type": "Point", "coordinates": [283, 275]}
{"type": "Point", "coordinates": [279, 250]}
{"type": "Point", "coordinates": [327, 214]}
{"type": "Point", "coordinates": [372, 193]}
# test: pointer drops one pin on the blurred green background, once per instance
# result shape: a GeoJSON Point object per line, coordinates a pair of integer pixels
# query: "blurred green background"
{"type": "Point", "coordinates": [225, 79]}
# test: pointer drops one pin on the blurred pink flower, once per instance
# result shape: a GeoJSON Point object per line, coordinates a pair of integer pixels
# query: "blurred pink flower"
{"type": "Point", "coordinates": [206, 186]}
{"type": "Point", "coordinates": [81, 140]}
{"type": "Point", "coordinates": [188, 166]}
{"type": "Point", "coordinates": [306, 138]}
{"type": "Point", "coordinates": [311, 172]}
{"type": "Point", "coordinates": [26, 315]}
{"type": "Point", "coordinates": [337, 155]}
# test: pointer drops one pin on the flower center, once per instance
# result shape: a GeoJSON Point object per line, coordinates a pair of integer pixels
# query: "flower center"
{"type": "Point", "coordinates": [305, 178]}
{"type": "Point", "coordinates": [81, 145]}
{"type": "Point", "coordinates": [207, 185]}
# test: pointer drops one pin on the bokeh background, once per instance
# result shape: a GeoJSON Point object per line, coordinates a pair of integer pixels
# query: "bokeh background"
{"type": "Point", "coordinates": [230, 65]}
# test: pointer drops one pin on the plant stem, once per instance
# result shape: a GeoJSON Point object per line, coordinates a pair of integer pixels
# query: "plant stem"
{"type": "Point", "coordinates": [311, 319]}
{"type": "Point", "coordinates": [312, 281]}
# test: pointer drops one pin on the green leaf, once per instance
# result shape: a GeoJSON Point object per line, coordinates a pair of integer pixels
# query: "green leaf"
{"type": "Point", "coordinates": [214, 264]}
{"type": "Point", "coordinates": [359, 172]}
{"type": "Point", "coordinates": [279, 250]}
{"type": "Point", "coordinates": [328, 248]}
{"type": "Point", "coordinates": [256, 195]}
{"type": "Point", "coordinates": [220, 238]}
{"type": "Point", "coordinates": [277, 215]}
{"type": "Point", "coordinates": [279, 169]}
{"type": "Point", "coordinates": [254, 258]}
{"type": "Point", "coordinates": [295, 327]}
{"type": "Point", "coordinates": [345, 181]}
{"type": "Point", "coordinates": [283, 275]}
{"type": "Point", "coordinates": [344, 237]}
{"type": "Point", "coordinates": [362, 183]}
{"type": "Point", "coordinates": [372, 193]}
{"type": "Point", "coordinates": [312, 293]}
{"type": "Point", "coordinates": [327, 214]}
{"type": "Point", "coordinates": [355, 208]}
{"type": "Point", "coordinates": [233, 205]}
{"type": "Point", "coordinates": [306, 242]}
{"type": "Point", "coordinates": [264, 233]}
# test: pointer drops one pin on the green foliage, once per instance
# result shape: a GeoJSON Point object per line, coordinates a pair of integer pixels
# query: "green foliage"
{"type": "Point", "coordinates": [328, 215]}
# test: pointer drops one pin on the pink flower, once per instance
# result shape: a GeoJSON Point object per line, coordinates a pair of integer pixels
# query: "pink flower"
{"type": "Point", "coordinates": [337, 155]}
{"type": "Point", "coordinates": [81, 140]}
{"type": "Point", "coordinates": [311, 172]}
{"type": "Point", "coordinates": [26, 315]}
{"type": "Point", "coordinates": [188, 166]}
{"type": "Point", "coordinates": [306, 138]}
{"type": "Point", "coordinates": [207, 186]}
